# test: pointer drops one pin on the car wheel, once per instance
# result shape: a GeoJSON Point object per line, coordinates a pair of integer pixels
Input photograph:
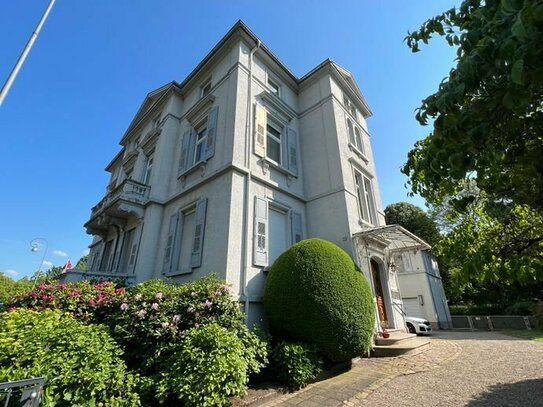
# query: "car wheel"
{"type": "Point", "coordinates": [411, 328]}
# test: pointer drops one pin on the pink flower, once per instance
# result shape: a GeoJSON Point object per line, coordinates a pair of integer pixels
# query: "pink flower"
{"type": "Point", "coordinates": [154, 306]}
{"type": "Point", "coordinates": [176, 318]}
{"type": "Point", "coordinates": [124, 306]}
{"type": "Point", "coordinates": [207, 304]}
{"type": "Point", "coordinates": [159, 296]}
{"type": "Point", "coordinates": [141, 313]}
{"type": "Point", "coordinates": [92, 302]}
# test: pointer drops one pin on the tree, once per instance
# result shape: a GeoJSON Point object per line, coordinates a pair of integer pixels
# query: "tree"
{"type": "Point", "coordinates": [10, 288]}
{"type": "Point", "coordinates": [82, 263]}
{"type": "Point", "coordinates": [488, 112]}
{"type": "Point", "coordinates": [413, 219]}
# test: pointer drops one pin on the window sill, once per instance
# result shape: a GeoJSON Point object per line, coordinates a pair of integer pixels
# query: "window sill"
{"type": "Point", "coordinates": [178, 273]}
{"type": "Point", "coordinates": [267, 163]}
{"type": "Point", "coordinates": [359, 153]}
{"type": "Point", "coordinates": [200, 165]}
{"type": "Point", "coordinates": [365, 223]}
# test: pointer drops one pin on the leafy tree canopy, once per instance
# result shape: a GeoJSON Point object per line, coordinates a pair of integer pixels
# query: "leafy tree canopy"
{"type": "Point", "coordinates": [82, 263]}
{"type": "Point", "coordinates": [414, 219]}
{"type": "Point", "coordinates": [488, 112]}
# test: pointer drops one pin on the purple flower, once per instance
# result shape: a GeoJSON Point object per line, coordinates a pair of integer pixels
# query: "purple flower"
{"type": "Point", "coordinates": [208, 304]}
{"type": "Point", "coordinates": [154, 306]}
{"type": "Point", "coordinates": [176, 318]}
{"type": "Point", "coordinates": [141, 313]}
{"type": "Point", "coordinates": [159, 296]}
{"type": "Point", "coordinates": [124, 306]}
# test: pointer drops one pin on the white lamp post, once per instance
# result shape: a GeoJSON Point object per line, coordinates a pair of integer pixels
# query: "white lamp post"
{"type": "Point", "coordinates": [34, 247]}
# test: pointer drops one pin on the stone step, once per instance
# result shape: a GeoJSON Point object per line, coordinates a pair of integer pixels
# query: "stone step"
{"type": "Point", "coordinates": [402, 347]}
{"type": "Point", "coordinates": [395, 336]}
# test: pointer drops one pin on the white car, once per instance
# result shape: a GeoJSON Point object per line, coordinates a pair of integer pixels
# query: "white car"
{"type": "Point", "coordinates": [418, 326]}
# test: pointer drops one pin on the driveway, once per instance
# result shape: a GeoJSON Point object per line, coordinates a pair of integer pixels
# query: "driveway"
{"type": "Point", "coordinates": [490, 369]}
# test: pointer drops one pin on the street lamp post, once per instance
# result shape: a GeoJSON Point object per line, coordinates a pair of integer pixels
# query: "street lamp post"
{"type": "Point", "coordinates": [34, 247]}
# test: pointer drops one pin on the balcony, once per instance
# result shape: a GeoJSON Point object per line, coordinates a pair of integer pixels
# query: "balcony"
{"type": "Point", "coordinates": [125, 200]}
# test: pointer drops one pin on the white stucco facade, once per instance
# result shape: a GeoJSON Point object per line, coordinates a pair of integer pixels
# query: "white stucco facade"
{"type": "Point", "coordinates": [221, 172]}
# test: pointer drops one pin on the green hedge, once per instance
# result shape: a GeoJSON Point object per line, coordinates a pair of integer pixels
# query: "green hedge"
{"type": "Point", "coordinates": [316, 294]}
{"type": "Point", "coordinates": [296, 364]}
{"type": "Point", "coordinates": [81, 363]}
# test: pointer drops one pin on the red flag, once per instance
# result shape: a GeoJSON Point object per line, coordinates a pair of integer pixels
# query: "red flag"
{"type": "Point", "coordinates": [68, 266]}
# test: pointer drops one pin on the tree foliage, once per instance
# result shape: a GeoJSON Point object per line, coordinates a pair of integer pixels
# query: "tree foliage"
{"type": "Point", "coordinates": [488, 112]}
{"type": "Point", "coordinates": [413, 219]}
{"type": "Point", "coordinates": [82, 263]}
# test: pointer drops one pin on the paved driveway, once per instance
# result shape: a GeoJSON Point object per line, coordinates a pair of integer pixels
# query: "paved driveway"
{"type": "Point", "coordinates": [490, 370]}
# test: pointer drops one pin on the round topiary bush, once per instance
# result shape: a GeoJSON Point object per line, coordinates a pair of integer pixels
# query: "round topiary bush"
{"type": "Point", "coordinates": [316, 294]}
{"type": "Point", "coordinates": [81, 363]}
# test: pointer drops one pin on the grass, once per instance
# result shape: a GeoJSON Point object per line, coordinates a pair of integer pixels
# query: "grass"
{"type": "Point", "coordinates": [534, 334]}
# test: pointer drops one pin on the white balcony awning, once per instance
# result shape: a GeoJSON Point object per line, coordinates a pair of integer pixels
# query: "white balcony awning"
{"type": "Point", "coordinates": [395, 237]}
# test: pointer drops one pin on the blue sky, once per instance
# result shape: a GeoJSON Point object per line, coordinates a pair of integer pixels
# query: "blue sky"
{"type": "Point", "coordinates": [95, 61]}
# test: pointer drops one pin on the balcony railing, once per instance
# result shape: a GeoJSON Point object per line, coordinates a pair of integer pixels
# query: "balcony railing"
{"type": "Point", "coordinates": [129, 191]}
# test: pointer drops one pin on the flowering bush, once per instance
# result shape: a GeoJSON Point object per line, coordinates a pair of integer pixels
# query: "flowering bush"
{"type": "Point", "coordinates": [81, 363]}
{"type": "Point", "coordinates": [86, 301]}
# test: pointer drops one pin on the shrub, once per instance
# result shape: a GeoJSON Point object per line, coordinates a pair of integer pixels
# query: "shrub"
{"type": "Point", "coordinates": [296, 364]}
{"type": "Point", "coordinates": [316, 294]}
{"type": "Point", "coordinates": [81, 362]}
{"type": "Point", "coordinates": [210, 365]}
{"type": "Point", "coordinates": [86, 301]}
{"type": "Point", "coordinates": [521, 308]}
{"type": "Point", "coordinates": [9, 288]}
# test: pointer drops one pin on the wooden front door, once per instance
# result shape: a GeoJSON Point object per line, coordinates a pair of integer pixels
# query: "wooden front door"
{"type": "Point", "coordinates": [381, 309]}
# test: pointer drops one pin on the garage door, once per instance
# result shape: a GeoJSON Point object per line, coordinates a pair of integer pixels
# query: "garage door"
{"type": "Point", "coordinates": [412, 308]}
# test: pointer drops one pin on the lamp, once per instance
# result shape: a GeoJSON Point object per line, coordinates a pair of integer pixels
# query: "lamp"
{"type": "Point", "coordinates": [34, 247]}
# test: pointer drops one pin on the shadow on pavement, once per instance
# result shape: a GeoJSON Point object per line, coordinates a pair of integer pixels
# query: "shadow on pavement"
{"type": "Point", "coordinates": [475, 335]}
{"type": "Point", "coordinates": [525, 393]}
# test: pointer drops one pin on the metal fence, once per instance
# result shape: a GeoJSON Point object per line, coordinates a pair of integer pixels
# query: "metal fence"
{"type": "Point", "coordinates": [22, 393]}
{"type": "Point", "coordinates": [493, 322]}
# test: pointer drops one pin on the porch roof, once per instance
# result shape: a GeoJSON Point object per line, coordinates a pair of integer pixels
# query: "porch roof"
{"type": "Point", "coordinates": [395, 237]}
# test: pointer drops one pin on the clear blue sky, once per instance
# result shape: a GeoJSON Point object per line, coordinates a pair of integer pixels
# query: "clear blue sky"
{"type": "Point", "coordinates": [95, 61]}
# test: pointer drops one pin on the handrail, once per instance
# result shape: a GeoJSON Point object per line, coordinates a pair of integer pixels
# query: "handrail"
{"type": "Point", "coordinates": [31, 390]}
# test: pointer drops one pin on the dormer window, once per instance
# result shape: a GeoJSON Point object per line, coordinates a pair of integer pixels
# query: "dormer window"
{"type": "Point", "coordinates": [205, 89]}
{"type": "Point", "coordinates": [274, 87]}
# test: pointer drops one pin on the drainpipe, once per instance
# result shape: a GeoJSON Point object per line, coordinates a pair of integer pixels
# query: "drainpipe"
{"type": "Point", "coordinates": [248, 175]}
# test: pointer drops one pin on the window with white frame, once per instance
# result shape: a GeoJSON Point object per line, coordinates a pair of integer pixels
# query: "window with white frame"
{"type": "Point", "coordinates": [147, 172]}
{"type": "Point", "coordinates": [358, 138]}
{"type": "Point", "coordinates": [273, 141]}
{"type": "Point", "coordinates": [366, 202]}
{"type": "Point", "coordinates": [355, 136]}
{"type": "Point", "coordinates": [351, 108]}
{"type": "Point", "coordinates": [201, 139]}
{"type": "Point", "coordinates": [274, 86]}
{"type": "Point", "coordinates": [205, 89]}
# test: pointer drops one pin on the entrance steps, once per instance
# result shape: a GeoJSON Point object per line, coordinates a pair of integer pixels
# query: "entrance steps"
{"type": "Point", "coordinates": [399, 343]}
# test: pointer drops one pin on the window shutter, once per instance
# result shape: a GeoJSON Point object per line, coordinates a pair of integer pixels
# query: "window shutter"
{"type": "Point", "coordinates": [211, 132]}
{"type": "Point", "coordinates": [191, 147]}
{"type": "Point", "coordinates": [296, 225]}
{"type": "Point", "coordinates": [261, 117]}
{"type": "Point", "coordinates": [183, 164]}
{"type": "Point", "coordinates": [260, 239]}
{"type": "Point", "coordinates": [199, 228]}
{"type": "Point", "coordinates": [351, 132]}
{"type": "Point", "coordinates": [134, 249]}
{"type": "Point", "coordinates": [292, 154]}
{"type": "Point", "coordinates": [98, 257]}
{"type": "Point", "coordinates": [118, 249]}
{"type": "Point", "coordinates": [170, 244]}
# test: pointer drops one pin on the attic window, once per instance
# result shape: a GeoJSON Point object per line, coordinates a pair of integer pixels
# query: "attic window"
{"type": "Point", "coordinates": [156, 121]}
{"type": "Point", "coordinates": [274, 87]}
{"type": "Point", "coordinates": [351, 108]}
{"type": "Point", "coordinates": [205, 88]}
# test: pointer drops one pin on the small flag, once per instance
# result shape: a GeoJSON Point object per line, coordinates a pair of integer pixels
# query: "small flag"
{"type": "Point", "coordinates": [68, 266]}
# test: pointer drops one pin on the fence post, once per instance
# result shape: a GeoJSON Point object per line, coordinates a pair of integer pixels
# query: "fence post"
{"type": "Point", "coordinates": [470, 323]}
{"type": "Point", "coordinates": [490, 326]}
{"type": "Point", "coordinates": [527, 323]}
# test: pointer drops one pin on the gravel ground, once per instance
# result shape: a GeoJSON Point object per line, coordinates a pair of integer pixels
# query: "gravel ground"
{"type": "Point", "coordinates": [492, 370]}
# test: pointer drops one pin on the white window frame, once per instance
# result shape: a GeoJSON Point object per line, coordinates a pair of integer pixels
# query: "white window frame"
{"type": "Point", "coordinates": [366, 198]}
{"type": "Point", "coordinates": [273, 86]}
{"type": "Point", "coordinates": [148, 169]}
{"type": "Point", "coordinates": [201, 129]}
{"type": "Point", "coordinates": [205, 88]}
{"type": "Point", "coordinates": [279, 129]}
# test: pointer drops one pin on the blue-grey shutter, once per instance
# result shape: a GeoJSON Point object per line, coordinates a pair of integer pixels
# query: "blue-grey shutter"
{"type": "Point", "coordinates": [199, 229]}
{"type": "Point", "coordinates": [296, 225]}
{"type": "Point", "coordinates": [191, 147]}
{"type": "Point", "coordinates": [118, 252]}
{"type": "Point", "coordinates": [427, 262]}
{"type": "Point", "coordinates": [211, 132]}
{"type": "Point", "coordinates": [292, 154]}
{"type": "Point", "coordinates": [260, 238]}
{"type": "Point", "coordinates": [133, 254]}
{"type": "Point", "coordinates": [99, 251]}
{"type": "Point", "coordinates": [183, 163]}
{"type": "Point", "coordinates": [170, 244]}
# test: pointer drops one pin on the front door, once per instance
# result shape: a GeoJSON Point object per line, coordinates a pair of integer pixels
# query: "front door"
{"type": "Point", "coordinates": [378, 291]}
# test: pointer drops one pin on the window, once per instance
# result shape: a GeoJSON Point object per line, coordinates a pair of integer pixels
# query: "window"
{"type": "Point", "coordinates": [156, 121]}
{"type": "Point", "coordinates": [273, 141]}
{"type": "Point", "coordinates": [364, 192]}
{"type": "Point", "coordinates": [358, 138]}
{"type": "Point", "coordinates": [147, 171]}
{"type": "Point", "coordinates": [201, 138]}
{"type": "Point", "coordinates": [185, 239]}
{"type": "Point", "coordinates": [355, 136]}
{"type": "Point", "coordinates": [125, 250]}
{"type": "Point", "coordinates": [205, 88]}
{"type": "Point", "coordinates": [274, 87]}
{"type": "Point", "coordinates": [351, 108]}
{"type": "Point", "coordinates": [104, 264]}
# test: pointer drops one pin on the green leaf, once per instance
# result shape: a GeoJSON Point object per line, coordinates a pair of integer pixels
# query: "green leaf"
{"type": "Point", "coordinates": [516, 72]}
{"type": "Point", "coordinates": [518, 29]}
